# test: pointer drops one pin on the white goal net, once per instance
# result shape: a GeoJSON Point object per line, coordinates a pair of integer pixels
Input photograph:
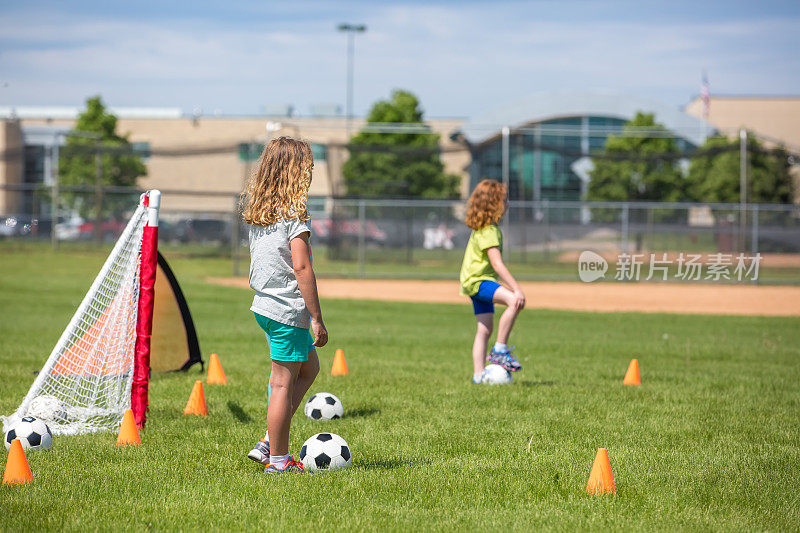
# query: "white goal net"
{"type": "Point", "coordinates": [85, 385]}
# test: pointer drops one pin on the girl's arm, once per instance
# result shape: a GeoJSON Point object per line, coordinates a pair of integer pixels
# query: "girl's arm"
{"type": "Point", "coordinates": [496, 260]}
{"type": "Point", "coordinates": [307, 282]}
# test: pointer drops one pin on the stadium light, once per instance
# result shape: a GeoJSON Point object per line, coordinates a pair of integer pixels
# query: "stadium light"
{"type": "Point", "coordinates": [351, 30]}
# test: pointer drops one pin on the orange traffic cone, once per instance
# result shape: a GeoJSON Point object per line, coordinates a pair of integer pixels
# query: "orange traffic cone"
{"type": "Point", "coordinates": [128, 434]}
{"type": "Point", "coordinates": [197, 401]}
{"type": "Point", "coordinates": [632, 375]}
{"type": "Point", "coordinates": [17, 470]}
{"type": "Point", "coordinates": [339, 365]}
{"type": "Point", "coordinates": [601, 479]}
{"type": "Point", "coordinates": [215, 376]}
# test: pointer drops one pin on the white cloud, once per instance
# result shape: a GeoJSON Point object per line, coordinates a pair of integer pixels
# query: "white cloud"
{"type": "Point", "coordinates": [459, 60]}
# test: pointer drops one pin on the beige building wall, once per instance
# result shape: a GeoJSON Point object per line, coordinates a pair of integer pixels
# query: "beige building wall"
{"type": "Point", "coordinates": [777, 118]}
{"type": "Point", "coordinates": [10, 165]}
{"type": "Point", "coordinates": [206, 173]}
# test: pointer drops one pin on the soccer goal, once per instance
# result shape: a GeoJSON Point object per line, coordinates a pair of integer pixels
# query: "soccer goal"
{"type": "Point", "coordinates": [101, 364]}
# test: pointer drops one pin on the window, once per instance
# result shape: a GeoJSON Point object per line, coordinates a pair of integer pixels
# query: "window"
{"type": "Point", "coordinates": [34, 164]}
{"type": "Point", "coordinates": [249, 152]}
{"type": "Point", "coordinates": [252, 151]}
{"type": "Point", "coordinates": [599, 130]}
{"type": "Point", "coordinates": [320, 152]}
{"type": "Point", "coordinates": [142, 149]}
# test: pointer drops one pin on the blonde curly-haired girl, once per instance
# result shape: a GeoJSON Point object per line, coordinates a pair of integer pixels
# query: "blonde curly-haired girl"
{"type": "Point", "coordinates": [480, 270]}
{"type": "Point", "coordinates": [286, 304]}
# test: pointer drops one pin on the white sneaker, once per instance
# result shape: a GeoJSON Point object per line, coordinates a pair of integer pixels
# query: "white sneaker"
{"type": "Point", "coordinates": [480, 380]}
{"type": "Point", "coordinates": [260, 452]}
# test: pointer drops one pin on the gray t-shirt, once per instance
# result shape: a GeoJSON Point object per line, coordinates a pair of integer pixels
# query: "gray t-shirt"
{"type": "Point", "coordinates": [272, 275]}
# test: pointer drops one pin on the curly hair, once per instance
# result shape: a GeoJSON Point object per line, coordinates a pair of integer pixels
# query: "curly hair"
{"type": "Point", "coordinates": [486, 204]}
{"type": "Point", "coordinates": [278, 189]}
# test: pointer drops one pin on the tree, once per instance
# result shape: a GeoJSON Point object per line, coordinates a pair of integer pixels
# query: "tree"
{"type": "Point", "coordinates": [94, 150]}
{"type": "Point", "coordinates": [397, 164]}
{"type": "Point", "coordinates": [638, 167]}
{"type": "Point", "coordinates": [714, 174]}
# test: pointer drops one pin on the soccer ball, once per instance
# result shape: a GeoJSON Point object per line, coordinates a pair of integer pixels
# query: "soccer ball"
{"type": "Point", "coordinates": [47, 407]}
{"type": "Point", "coordinates": [496, 375]}
{"type": "Point", "coordinates": [323, 406]}
{"type": "Point", "coordinates": [325, 451]}
{"type": "Point", "coordinates": [32, 433]}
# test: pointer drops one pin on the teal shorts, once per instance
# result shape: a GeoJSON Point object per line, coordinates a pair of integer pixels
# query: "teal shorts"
{"type": "Point", "coordinates": [286, 343]}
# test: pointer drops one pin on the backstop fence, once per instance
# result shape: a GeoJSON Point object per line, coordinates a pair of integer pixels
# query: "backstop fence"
{"type": "Point", "coordinates": [426, 238]}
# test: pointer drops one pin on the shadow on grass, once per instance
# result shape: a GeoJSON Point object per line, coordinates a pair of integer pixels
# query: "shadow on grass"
{"type": "Point", "coordinates": [538, 383]}
{"type": "Point", "coordinates": [238, 413]}
{"type": "Point", "coordinates": [362, 412]}
{"type": "Point", "coordinates": [388, 464]}
{"type": "Point", "coordinates": [189, 376]}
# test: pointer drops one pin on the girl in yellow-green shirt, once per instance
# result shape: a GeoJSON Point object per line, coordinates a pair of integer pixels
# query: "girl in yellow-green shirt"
{"type": "Point", "coordinates": [480, 271]}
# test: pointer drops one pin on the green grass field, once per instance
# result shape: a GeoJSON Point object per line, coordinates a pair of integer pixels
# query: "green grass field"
{"type": "Point", "coordinates": [709, 441]}
{"type": "Point", "coordinates": [217, 260]}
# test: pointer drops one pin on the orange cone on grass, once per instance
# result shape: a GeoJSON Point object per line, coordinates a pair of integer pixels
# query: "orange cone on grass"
{"type": "Point", "coordinates": [128, 434]}
{"type": "Point", "coordinates": [339, 365]}
{"type": "Point", "coordinates": [17, 471]}
{"type": "Point", "coordinates": [601, 479]}
{"type": "Point", "coordinates": [215, 376]}
{"type": "Point", "coordinates": [197, 401]}
{"type": "Point", "coordinates": [632, 375]}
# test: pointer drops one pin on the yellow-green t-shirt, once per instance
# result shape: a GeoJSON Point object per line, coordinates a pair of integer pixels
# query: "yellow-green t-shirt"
{"type": "Point", "coordinates": [476, 266]}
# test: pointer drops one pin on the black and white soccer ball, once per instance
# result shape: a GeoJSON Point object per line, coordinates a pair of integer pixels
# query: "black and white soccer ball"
{"type": "Point", "coordinates": [323, 406]}
{"type": "Point", "coordinates": [32, 433]}
{"type": "Point", "coordinates": [496, 375]}
{"type": "Point", "coordinates": [325, 451]}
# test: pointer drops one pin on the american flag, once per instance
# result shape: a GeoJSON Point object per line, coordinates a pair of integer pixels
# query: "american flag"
{"type": "Point", "coordinates": [704, 94]}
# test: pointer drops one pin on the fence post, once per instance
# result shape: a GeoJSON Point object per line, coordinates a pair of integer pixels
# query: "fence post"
{"type": "Point", "coordinates": [362, 252]}
{"type": "Point", "coordinates": [235, 236]}
{"type": "Point", "coordinates": [742, 189]}
{"type": "Point", "coordinates": [53, 159]}
{"type": "Point", "coordinates": [523, 220]}
{"type": "Point", "coordinates": [98, 196]}
{"type": "Point", "coordinates": [754, 243]}
{"type": "Point", "coordinates": [506, 178]}
{"type": "Point", "coordinates": [624, 236]}
{"type": "Point", "coordinates": [409, 236]}
{"type": "Point", "coordinates": [545, 205]}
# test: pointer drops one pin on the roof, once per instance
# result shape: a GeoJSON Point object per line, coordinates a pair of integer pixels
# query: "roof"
{"type": "Point", "coordinates": [70, 112]}
{"type": "Point", "coordinates": [544, 106]}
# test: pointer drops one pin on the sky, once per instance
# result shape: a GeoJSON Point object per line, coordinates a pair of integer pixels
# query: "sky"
{"type": "Point", "coordinates": [460, 58]}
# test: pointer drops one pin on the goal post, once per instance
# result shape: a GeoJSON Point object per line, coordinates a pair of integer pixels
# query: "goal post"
{"type": "Point", "coordinates": [100, 365]}
{"type": "Point", "coordinates": [144, 315]}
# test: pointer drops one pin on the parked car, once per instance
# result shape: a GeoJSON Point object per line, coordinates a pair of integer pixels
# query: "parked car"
{"type": "Point", "coordinates": [78, 229]}
{"type": "Point", "coordinates": [69, 230]}
{"type": "Point", "coordinates": [201, 230]}
{"type": "Point", "coordinates": [23, 226]}
{"type": "Point", "coordinates": [326, 229]}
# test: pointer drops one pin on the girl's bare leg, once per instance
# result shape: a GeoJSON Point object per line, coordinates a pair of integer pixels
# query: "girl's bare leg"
{"type": "Point", "coordinates": [279, 412]}
{"type": "Point", "coordinates": [509, 316]}
{"type": "Point", "coordinates": [479, 346]}
{"type": "Point", "coordinates": [308, 372]}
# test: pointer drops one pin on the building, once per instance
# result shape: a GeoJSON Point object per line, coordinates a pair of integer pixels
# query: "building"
{"type": "Point", "coordinates": [775, 119]}
{"type": "Point", "coordinates": [551, 137]}
{"type": "Point", "coordinates": [200, 162]}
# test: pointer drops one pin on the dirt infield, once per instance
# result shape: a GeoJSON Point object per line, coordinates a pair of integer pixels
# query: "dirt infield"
{"type": "Point", "coordinates": [603, 297]}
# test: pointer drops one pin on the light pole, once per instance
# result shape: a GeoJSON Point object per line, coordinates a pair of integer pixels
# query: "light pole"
{"type": "Point", "coordinates": [351, 30]}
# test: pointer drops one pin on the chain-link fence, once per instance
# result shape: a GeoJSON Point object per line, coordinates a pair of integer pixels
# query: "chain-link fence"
{"type": "Point", "coordinates": [426, 239]}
